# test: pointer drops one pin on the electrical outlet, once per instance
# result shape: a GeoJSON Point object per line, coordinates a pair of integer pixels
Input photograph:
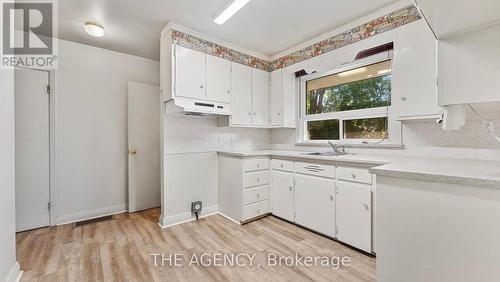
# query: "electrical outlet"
{"type": "Point", "coordinates": [196, 207]}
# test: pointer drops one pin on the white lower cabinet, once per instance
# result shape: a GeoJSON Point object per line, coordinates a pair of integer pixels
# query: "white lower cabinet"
{"type": "Point", "coordinates": [282, 194]}
{"type": "Point", "coordinates": [315, 203]}
{"type": "Point", "coordinates": [354, 215]}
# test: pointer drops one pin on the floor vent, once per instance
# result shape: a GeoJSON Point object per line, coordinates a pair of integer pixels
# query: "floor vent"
{"type": "Point", "coordinates": [94, 220]}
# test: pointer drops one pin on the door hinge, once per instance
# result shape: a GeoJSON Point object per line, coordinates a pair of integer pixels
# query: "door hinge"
{"type": "Point", "coordinates": [47, 89]}
{"type": "Point", "coordinates": [49, 206]}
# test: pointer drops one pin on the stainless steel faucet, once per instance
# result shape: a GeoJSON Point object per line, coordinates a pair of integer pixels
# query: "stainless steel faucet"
{"type": "Point", "coordinates": [337, 148]}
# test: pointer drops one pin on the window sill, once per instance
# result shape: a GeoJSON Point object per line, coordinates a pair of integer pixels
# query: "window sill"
{"type": "Point", "coordinates": [382, 146]}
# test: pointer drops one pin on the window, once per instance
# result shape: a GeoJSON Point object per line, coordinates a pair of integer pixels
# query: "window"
{"type": "Point", "coordinates": [351, 106]}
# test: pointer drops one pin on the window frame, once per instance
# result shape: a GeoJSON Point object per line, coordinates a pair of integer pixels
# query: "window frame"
{"type": "Point", "coordinates": [393, 126]}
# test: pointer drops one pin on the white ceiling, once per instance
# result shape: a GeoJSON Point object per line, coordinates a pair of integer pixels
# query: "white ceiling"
{"type": "Point", "coordinates": [263, 26]}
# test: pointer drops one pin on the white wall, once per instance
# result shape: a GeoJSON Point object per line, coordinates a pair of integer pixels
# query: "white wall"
{"type": "Point", "coordinates": [9, 269]}
{"type": "Point", "coordinates": [423, 139]}
{"type": "Point", "coordinates": [91, 128]}
{"type": "Point", "coordinates": [190, 170]}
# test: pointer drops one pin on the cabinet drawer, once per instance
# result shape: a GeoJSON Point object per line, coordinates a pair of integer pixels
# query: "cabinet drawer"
{"type": "Point", "coordinates": [282, 165]}
{"type": "Point", "coordinates": [360, 175]}
{"type": "Point", "coordinates": [256, 209]}
{"type": "Point", "coordinates": [315, 169]}
{"type": "Point", "coordinates": [256, 194]}
{"type": "Point", "coordinates": [256, 178]}
{"type": "Point", "coordinates": [256, 164]}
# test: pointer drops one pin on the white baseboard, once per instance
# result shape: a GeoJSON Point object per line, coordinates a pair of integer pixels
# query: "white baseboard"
{"type": "Point", "coordinates": [90, 214]}
{"type": "Point", "coordinates": [15, 273]}
{"type": "Point", "coordinates": [227, 217]}
{"type": "Point", "coordinates": [169, 221]}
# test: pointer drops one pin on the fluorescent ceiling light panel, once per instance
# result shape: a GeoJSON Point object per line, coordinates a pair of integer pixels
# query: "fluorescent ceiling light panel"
{"type": "Point", "coordinates": [230, 11]}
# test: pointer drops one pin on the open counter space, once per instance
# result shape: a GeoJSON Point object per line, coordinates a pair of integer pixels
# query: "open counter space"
{"type": "Point", "coordinates": [250, 140]}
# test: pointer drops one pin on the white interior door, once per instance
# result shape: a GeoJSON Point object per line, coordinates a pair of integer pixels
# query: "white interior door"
{"type": "Point", "coordinates": [32, 149]}
{"type": "Point", "coordinates": [144, 146]}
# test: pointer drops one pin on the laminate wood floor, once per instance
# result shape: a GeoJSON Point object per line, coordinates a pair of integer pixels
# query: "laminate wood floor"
{"type": "Point", "coordinates": [120, 250]}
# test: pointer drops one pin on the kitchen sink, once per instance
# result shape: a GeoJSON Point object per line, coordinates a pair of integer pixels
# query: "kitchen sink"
{"type": "Point", "coordinates": [327, 154]}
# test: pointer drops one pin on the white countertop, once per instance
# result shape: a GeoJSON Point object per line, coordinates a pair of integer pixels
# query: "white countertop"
{"type": "Point", "coordinates": [455, 171]}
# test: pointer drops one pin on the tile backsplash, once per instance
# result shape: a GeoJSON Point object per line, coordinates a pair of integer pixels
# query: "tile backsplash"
{"type": "Point", "coordinates": [188, 134]}
{"type": "Point", "coordinates": [423, 139]}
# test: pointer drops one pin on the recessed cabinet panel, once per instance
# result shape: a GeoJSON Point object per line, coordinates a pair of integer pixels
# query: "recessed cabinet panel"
{"type": "Point", "coordinates": [218, 79]}
{"type": "Point", "coordinates": [260, 97]}
{"type": "Point", "coordinates": [354, 215]}
{"type": "Point", "coordinates": [190, 73]}
{"type": "Point", "coordinates": [241, 93]}
{"type": "Point", "coordinates": [315, 203]}
{"type": "Point", "coordinates": [276, 98]}
{"type": "Point", "coordinates": [415, 71]}
{"type": "Point", "coordinates": [289, 99]}
{"type": "Point", "coordinates": [282, 194]}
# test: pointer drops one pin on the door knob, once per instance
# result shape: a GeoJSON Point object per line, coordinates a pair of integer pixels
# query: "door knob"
{"type": "Point", "coordinates": [132, 152]}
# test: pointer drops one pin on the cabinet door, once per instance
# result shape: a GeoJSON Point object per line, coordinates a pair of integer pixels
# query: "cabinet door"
{"type": "Point", "coordinates": [289, 99]}
{"type": "Point", "coordinates": [354, 215]}
{"type": "Point", "coordinates": [315, 203]}
{"type": "Point", "coordinates": [218, 79]}
{"type": "Point", "coordinates": [260, 97]}
{"type": "Point", "coordinates": [241, 93]}
{"type": "Point", "coordinates": [276, 98]}
{"type": "Point", "coordinates": [415, 71]}
{"type": "Point", "coordinates": [282, 194]}
{"type": "Point", "coordinates": [190, 73]}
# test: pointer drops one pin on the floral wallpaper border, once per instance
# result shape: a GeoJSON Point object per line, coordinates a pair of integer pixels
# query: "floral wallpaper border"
{"type": "Point", "coordinates": [388, 22]}
{"type": "Point", "coordinates": [210, 48]}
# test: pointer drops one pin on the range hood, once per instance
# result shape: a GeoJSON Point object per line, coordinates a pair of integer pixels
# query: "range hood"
{"type": "Point", "coordinates": [193, 107]}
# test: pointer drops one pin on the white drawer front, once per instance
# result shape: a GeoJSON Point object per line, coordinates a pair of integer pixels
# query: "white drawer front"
{"type": "Point", "coordinates": [360, 175]}
{"type": "Point", "coordinates": [282, 165]}
{"type": "Point", "coordinates": [315, 169]}
{"type": "Point", "coordinates": [256, 194]}
{"type": "Point", "coordinates": [256, 164]}
{"type": "Point", "coordinates": [256, 178]}
{"type": "Point", "coordinates": [255, 210]}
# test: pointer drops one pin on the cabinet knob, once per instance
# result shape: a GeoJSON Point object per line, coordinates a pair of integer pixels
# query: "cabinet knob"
{"type": "Point", "coordinates": [353, 175]}
{"type": "Point", "coordinates": [201, 86]}
{"type": "Point", "coordinates": [258, 165]}
{"type": "Point", "coordinates": [249, 113]}
{"type": "Point", "coordinates": [366, 207]}
{"type": "Point", "coordinates": [254, 114]}
{"type": "Point", "coordinates": [279, 114]}
{"type": "Point", "coordinates": [229, 91]}
{"type": "Point", "coordinates": [258, 179]}
{"type": "Point", "coordinates": [258, 195]}
{"type": "Point", "coordinates": [290, 188]}
{"type": "Point", "coordinates": [258, 211]}
{"type": "Point", "coordinates": [331, 198]}
{"type": "Point", "coordinates": [281, 165]}
{"type": "Point", "coordinates": [403, 98]}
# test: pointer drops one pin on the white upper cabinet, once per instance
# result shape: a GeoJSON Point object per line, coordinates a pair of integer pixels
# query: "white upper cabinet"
{"type": "Point", "coordinates": [218, 79]}
{"type": "Point", "coordinates": [282, 99]}
{"type": "Point", "coordinates": [241, 93]}
{"type": "Point", "coordinates": [276, 98]}
{"type": "Point", "coordinates": [260, 97]}
{"type": "Point", "coordinates": [190, 73]}
{"type": "Point", "coordinates": [415, 72]}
